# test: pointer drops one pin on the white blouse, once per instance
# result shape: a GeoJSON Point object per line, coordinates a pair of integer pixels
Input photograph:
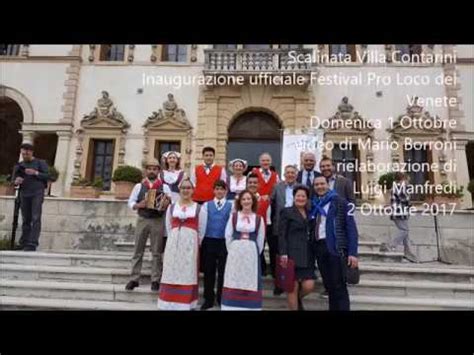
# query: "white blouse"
{"type": "Point", "coordinates": [181, 212]}
{"type": "Point", "coordinates": [170, 178]}
{"type": "Point", "coordinates": [245, 224]}
{"type": "Point", "coordinates": [237, 186]}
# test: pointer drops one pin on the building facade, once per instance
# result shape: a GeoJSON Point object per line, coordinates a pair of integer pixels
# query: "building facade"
{"type": "Point", "coordinates": [91, 108]}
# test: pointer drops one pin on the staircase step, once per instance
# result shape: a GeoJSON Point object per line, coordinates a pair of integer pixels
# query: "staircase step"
{"type": "Point", "coordinates": [65, 273]}
{"type": "Point", "coordinates": [369, 256]}
{"type": "Point", "coordinates": [369, 271]}
{"type": "Point", "coordinates": [23, 303]}
{"type": "Point", "coordinates": [117, 292]}
{"type": "Point", "coordinates": [367, 245]}
{"type": "Point", "coordinates": [104, 260]}
{"type": "Point", "coordinates": [416, 272]}
{"type": "Point", "coordinates": [414, 289]}
{"type": "Point", "coordinates": [270, 303]}
{"type": "Point", "coordinates": [363, 246]}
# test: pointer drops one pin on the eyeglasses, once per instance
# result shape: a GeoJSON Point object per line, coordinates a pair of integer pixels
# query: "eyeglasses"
{"type": "Point", "coordinates": [185, 188]}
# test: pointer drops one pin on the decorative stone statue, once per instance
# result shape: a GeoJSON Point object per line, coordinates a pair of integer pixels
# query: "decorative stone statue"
{"type": "Point", "coordinates": [170, 111]}
{"type": "Point", "coordinates": [105, 109]}
{"type": "Point", "coordinates": [414, 109]}
{"type": "Point", "coordinates": [345, 107]}
{"type": "Point", "coordinates": [170, 105]}
{"type": "Point", "coordinates": [104, 105]}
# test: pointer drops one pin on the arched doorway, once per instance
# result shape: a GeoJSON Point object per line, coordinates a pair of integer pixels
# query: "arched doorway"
{"type": "Point", "coordinates": [11, 118]}
{"type": "Point", "coordinates": [253, 133]}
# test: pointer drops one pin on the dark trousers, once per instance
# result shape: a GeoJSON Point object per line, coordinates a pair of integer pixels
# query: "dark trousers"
{"type": "Point", "coordinates": [273, 249]}
{"type": "Point", "coordinates": [333, 272]}
{"type": "Point", "coordinates": [263, 260]}
{"type": "Point", "coordinates": [214, 256]}
{"type": "Point", "coordinates": [31, 210]}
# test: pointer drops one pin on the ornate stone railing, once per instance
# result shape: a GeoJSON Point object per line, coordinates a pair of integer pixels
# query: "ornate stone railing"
{"type": "Point", "coordinates": [235, 61]}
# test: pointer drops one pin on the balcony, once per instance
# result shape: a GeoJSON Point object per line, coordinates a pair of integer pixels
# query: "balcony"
{"type": "Point", "coordinates": [254, 61]}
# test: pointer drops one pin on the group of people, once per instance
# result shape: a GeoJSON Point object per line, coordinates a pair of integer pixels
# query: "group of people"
{"type": "Point", "coordinates": [218, 223]}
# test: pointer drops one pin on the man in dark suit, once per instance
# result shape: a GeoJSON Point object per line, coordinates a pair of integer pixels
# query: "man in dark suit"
{"type": "Point", "coordinates": [339, 183]}
{"type": "Point", "coordinates": [308, 173]}
{"type": "Point", "coordinates": [281, 197]}
{"type": "Point", "coordinates": [335, 242]}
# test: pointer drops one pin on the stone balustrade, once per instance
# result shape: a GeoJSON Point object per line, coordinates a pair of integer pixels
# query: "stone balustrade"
{"type": "Point", "coordinates": [235, 61]}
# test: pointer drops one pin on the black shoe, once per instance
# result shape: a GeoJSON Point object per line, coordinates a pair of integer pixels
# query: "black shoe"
{"type": "Point", "coordinates": [18, 247]}
{"type": "Point", "coordinates": [29, 249]}
{"type": "Point", "coordinates": [206, 306]}
{"type": "Point", "coordinates": [131, 285]}
{"type": "Point", "coordinates": [277, 291]}
{"type": "Point", "coordinates": [155, 286]}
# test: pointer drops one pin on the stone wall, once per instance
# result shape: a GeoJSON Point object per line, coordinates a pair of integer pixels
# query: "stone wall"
{"type": "Point", "coordinates": [76, 223]}
{"type": "Point", "coordinates": [97, 224]}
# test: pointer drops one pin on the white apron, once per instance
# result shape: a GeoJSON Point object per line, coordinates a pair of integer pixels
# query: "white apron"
{"type": "Point", "coordinates": [180, 257]}
{"type": "Point", "coordinates": [241, 270]}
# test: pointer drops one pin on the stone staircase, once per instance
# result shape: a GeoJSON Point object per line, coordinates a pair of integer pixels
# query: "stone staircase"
{"type": "Point", "coordinates": [95, 280]}
{"type": "Point", "coordinates": [368, 251]}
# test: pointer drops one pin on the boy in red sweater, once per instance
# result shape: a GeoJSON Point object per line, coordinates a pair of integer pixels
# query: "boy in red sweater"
{"type": "Point", "coordinates": [205, 175]}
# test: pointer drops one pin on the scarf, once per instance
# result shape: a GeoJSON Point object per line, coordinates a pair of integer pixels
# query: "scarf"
{"type": "Point", "coordinates": [318, 203]}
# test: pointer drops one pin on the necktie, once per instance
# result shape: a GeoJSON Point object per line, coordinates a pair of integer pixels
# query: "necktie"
{"type": "Point", "coordinates": [318, 224]}
{"type": "Point", "coordinates": [266, 174]}
{"type": "Point", "coordinates": [208, 169]}
{"type": "Point", "coordinates": [308, 178]}
{"type": "Point", "coordinates": [219, 205]}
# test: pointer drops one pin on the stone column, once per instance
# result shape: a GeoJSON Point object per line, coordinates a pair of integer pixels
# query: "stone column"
{"type": "Point", "coordinates": [462, 172]}
{"type": "Point", "coordinates": [61, 162]}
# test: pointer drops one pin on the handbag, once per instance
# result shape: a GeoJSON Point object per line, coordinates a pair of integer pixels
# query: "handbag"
{"type": "Point", "coordinates": [285, 277]}
{"type": "Point", "coordinates": [352, 275]}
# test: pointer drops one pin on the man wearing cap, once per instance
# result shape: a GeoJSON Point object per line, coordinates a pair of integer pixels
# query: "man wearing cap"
{"type": "Point", "coordinates": [150, 223]}
{"type": "Point", "coordinates": [31, 175]}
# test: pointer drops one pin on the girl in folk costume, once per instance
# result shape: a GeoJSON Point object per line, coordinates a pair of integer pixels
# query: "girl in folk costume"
{"type": "Point", "coordinates": [237, 181]}
{"type": "Point", "coordinates": [244, 239]}
{"type": "Point", "coordinates": [179, 282]}
{"type": "Point", "coordinates": [172, 175]}
{"type": "Point", "coordinates": [267, 178]}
